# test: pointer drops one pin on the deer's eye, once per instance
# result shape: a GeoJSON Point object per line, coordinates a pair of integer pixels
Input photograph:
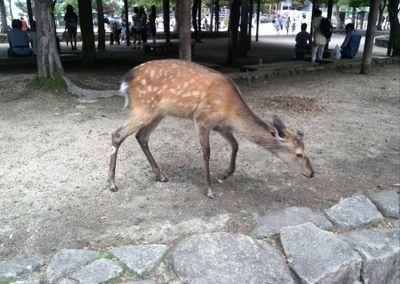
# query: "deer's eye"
{"type": "Point", "coordinates": [298, 155]}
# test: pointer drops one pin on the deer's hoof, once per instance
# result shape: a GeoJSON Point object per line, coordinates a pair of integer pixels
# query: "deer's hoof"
{"type": "Point", "coordinates": [214, 196]}
{"type": "Point", "coordinates": [114, 189]}
{"type": "Point", "coordinates": [162, 179]}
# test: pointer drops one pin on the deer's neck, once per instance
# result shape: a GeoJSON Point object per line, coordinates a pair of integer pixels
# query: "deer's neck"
{"type": "Point", "coordinates": [255, 129]}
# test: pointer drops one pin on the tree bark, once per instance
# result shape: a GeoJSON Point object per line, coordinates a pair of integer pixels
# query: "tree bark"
{"type": "Point", "coordinates": [184, 25]}
{"type": "Point", "coordinates": [199, 19]}
{"type": "Point", "coordinates": [382, 7]}
{"type": "Point", "coordinates": [30, 13]}
{"type": "Point", "coordinates": [166, 21]}
{"type": "Point", "coordinates": [251, 12]}
{"type": "Point", "coordinates": [258, 18]}
{"type": "Point", "coordinates": [195, 8]}
{"type": "Point", "coordinates": [353, 15]}
{"type": "Point", "coordinates": [217, 8]}
{"type": "Point", "coordinates": [394, 38]}
{"type": "Point", "coordinates": [86, 24]}
{"type": "Point", "coordinates": [101, 40]}
{"type": "Point", "coordinates": [329, 16]}
{"type": "Point", "coordinates": [243, 28]}
{"type": "Point", "coordinates": [48, 60]}
{"type": "Point", "coordinates": [3, 14]}
{"type": "Point", "coordinates": [370, 35]}
{"type": "Point", "coordinates": [211, 16]}
{"type": "Point", "coordinates": [234, 18]}
{"type": "Point", "coordinates": [127, 32]}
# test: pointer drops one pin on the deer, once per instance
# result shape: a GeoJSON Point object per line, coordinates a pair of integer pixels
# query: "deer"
{"type": "Point", "coordinates": [183, 89]}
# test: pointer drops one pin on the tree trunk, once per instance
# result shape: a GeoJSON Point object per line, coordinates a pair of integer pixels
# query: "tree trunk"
{"type": "Point", "coordinates": [329, 16]}
{"type": "Point", "coordinates": [166, 21]}
{"type": "Point", "coordinates": [11, 11]}
{"type": "Point", "coordinates": [127, 32]}
{"type": "Point", "coordinates": [211, 16]}
{"type": "Point", "coordinates": [216, 25]}
{"type": "Point", "coordinates": [48, 60]}
{"type": "Point", "coordinates": [177, 7]}
{"type": "Point", "coordinates": [101, 40]}
{"type": "Point", "coordinates": [251, 12]}
{"type": "Point", "coordinates": [258, 18]}
{"type": "Point", "coordinates": [394, 39]}
{"type": "Point", "coordinates": [3, 14]}
{"type": "Point", "coordinates": [243, 28]}
{"type": "Point", "coordinates": [184, 26]}
{"type": "Point", "coordinates": [234, 18]}
{"type": "Point", "coordinates": [353, 16]}
{"type": "Point", "coordinates": [199, 19]}
{"type": "Point", "coordinates": [370, 35]}
{"type": "Point", "coordinates": [30, 13]}
{"type": "Point", "coordinates": [86, 23]}
{"type": "Point", "coordinates": [195, 8]}
{"type": "Point", "coordinates": [382, 7]}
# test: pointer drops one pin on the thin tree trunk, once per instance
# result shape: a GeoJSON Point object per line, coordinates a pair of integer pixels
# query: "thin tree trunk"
{"type": "Point", "coordinates": [101, 39]}
{"type": "Point", "coordinates": [127, 32]}
{"type": "Point", "coordinates": [211, 16]}
{"type": "Point", "coordinates": [3, 14]}
{"type": "Point", "coordinates": [370, 35]}
{"type": "Point", "coordinates": [185, 51]}
{"type": "Point", "coordinates": [195, 7]}
{"type": "Point", "coordinates": [86, 23]}
{"type": "Point", "coordinates": [353, 15]}
{"type": "Point", "coordinates": [166, 21]}
{"type": "Point", "coordinates": [329, 16]}
{"type": "Point", "coordinates": [394, 39]}
{"type": "Point", "coordinates": [199, 20]}
{"type": "Point", "coordinates": [11, 11]}
{"type": "Point", "coordinates": [48, 60]}
{"type": "Point", "coordinates": [234, 19]}
{"type": "Point", "coordinates": [251, 12]}
{"type": "Point", "coordinates": [217, 8]}
{"type": "Point", "coordinates": [30, 13]}
{"type": "Point", "coordinates": [258, 18]}
{"type": "Point", "coordinates": [382, 7]}
{"type": "Point", "coordinates": [243, 28]}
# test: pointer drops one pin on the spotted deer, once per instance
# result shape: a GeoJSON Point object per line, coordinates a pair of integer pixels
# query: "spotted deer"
{"type": "Point", "coordinates": [183, 89]}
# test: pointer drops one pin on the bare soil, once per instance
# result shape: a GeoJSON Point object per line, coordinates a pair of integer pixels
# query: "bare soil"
{"type": "Point", "coordinates": [54, 155]}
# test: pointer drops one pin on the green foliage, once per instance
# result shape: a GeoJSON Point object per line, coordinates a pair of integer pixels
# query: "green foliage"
{"type": "Point", "coordinates": [21, 4]}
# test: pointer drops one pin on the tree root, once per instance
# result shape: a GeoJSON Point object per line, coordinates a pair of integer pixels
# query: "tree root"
{"type": "Point", "coordinates": [86, 94]}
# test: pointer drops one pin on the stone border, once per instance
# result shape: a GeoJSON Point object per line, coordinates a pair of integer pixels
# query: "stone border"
{"type": "Point", "coordinates": [296, 246]}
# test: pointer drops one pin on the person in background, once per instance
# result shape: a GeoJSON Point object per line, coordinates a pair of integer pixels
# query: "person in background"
{"type": "Point", "coordinates": [152, 23]}
{"type": "Point", "coordinates": [319, 40]}
{"type": "Point", "coordinates": [143, 24]}
{"type": "Point", "coordinates": [303, 39]}
{"type": "Point", "coordinates": [71, 24]}
{"type": "Point", "coordinates": [115, 26]}
{"type": "Point", "coordinates": [135, 31]}
{"type": "Point", "coordinates": [293, 26]}
{"type": "Point", "coordinates": [24, 27]}
{"type": "Point", "coordinates": [351, 42]}
{"type": "Point", "coordinates": [18, 41]}
{"type": "Point", "coordinates": [287, 25]}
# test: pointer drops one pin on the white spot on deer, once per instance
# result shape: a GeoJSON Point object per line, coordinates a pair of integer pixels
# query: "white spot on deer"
{"type": "Point", "coordinates": [144, 81]}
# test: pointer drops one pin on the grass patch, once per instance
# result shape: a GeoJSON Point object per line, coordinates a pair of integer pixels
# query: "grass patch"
{"type": "Point", "coordinates": [49, 84]}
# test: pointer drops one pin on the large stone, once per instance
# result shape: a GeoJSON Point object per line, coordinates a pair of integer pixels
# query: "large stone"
{"type": "Point", "coordinates": [271, 224]}
{"type": "Point", "coordinates": [318, 256]}
{"type": "Point", "coordinates": [140, 258]}
{"type": "Point", "coordinates": [227, 258]}
{"type": "Point", "coordinates": [19, 267]}
{"type": "Point", "coordinates": [66, 261]}
{"type": "Point", "coordinates": [353, 212]}
{"type": "Point", "coordinates": [98, 271]}
{"type": "Point", "coordinates": [380, 252]}
{"type": "Point", "coordinates": [388, 202]}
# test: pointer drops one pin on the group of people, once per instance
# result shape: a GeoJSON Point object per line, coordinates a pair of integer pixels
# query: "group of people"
{"type": "Point", "coordinates": [322, 32]}
{"type": "Point", "coordinates": [21, 39]}
{"type": "Point", "coordinates": [142, 26]}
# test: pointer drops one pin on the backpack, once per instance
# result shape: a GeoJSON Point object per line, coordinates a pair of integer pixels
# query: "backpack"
{"type": "Point", "coordinates": [326, 28]}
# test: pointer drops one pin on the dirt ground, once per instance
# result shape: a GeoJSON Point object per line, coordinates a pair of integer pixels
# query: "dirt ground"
{"type": "Point", "coordinates": [54, 155]}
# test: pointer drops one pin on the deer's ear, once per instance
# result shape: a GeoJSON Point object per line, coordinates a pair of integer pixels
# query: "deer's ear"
{"type": "Point", "coordinates": [279, 125]}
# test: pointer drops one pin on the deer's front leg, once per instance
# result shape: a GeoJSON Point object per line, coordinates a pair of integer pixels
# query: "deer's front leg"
{"type": "Point", "coordinates": [204, 135]}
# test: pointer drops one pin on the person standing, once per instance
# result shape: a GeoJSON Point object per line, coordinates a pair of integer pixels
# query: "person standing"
{"type": "Point", "coordinates": [152, 23]}
{"type": "Point", "coordinates": [135, 31]}
{"type": "Point", "coordinates": [71, 24]}
{"type": "Point", "coordinates": [115, 26]}
{"type": "Point", "coordinates": [287, 25]}
{"type": "Point", "coordinates": [322, 31]}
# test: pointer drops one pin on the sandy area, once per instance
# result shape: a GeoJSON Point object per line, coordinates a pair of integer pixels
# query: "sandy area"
{"type": "Point", "coordinates": [54, 154]}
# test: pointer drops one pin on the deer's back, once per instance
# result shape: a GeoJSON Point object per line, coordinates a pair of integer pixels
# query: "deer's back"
{"type": "Point", "coordinates": [183, 89]}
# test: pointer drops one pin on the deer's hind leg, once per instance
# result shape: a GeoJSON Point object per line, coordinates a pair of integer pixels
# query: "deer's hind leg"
{"type": "Point", "coordinates": [227, 134]}
{"type": "Point", "coordinates": [142, 137]}
{"type": "Point", "coordinates": [139, 119]}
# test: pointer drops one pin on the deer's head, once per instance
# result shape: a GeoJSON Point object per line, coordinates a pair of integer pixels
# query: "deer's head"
{"type": "Point", "coordinates": [291, 148]}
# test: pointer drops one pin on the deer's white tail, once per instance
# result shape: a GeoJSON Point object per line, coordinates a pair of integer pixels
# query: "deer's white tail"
{"type": "Point", "coordinates": [125, 84]}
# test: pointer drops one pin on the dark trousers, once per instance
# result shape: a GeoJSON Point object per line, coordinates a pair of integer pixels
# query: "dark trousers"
{"type": "Point", "coordinates": [114, 36]}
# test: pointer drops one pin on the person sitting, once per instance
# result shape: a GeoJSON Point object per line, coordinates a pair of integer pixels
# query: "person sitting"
{"type": "Point", "coordinates": [18, 40]}
{"type": "Point", "coordinates": [302, 42]}
{"type": "Point", "coordinates": [351, 43]}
